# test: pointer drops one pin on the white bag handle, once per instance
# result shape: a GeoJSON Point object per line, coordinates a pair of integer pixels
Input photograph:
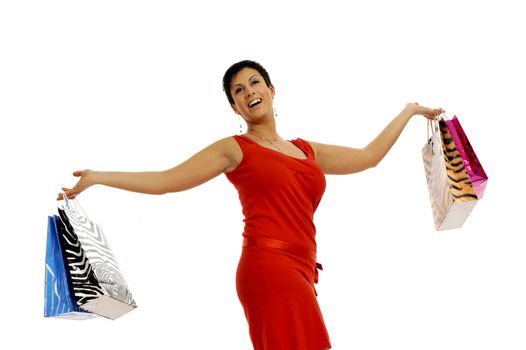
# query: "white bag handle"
{"type": "Point", "coordinates": [433, 124]}
{"type": "Point", "coordinates": [73, 205]}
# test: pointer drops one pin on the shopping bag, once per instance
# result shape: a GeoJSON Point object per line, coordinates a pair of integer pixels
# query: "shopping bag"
{"type": "Point", "coordinates": [59, 299]}
{"type": "Point", "coordinates": [98, 284]}
{"type": "Point", "coordinates": [474, 169]}
{"type": "Point", "coordinates": [451, 191]}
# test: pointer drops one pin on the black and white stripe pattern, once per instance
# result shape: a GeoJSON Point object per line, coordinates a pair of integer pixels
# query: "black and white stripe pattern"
{"type": "Point", "coordinates": [98, 283]}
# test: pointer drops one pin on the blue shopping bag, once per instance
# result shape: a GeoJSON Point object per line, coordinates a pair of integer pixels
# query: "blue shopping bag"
{"type": "Point", "coordinates": [59, 298]}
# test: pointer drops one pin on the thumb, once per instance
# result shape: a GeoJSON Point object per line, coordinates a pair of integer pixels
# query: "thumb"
{"type": "Point", "coordinates": [78, 173]}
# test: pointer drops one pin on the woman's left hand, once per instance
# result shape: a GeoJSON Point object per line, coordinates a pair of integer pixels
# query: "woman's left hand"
{"type": "Point", "coordinates": [429, 113]}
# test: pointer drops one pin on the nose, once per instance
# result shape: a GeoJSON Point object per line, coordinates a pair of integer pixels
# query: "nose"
{"type": "Point", "coordinates": [249, 91]}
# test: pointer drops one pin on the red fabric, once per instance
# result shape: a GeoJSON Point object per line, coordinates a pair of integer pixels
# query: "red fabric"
{"type": "Point", "coordinates": [279, 195]}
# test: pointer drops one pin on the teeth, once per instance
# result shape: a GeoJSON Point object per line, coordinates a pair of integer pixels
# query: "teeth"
{"type": "Point", "coordinates": [253, 103]}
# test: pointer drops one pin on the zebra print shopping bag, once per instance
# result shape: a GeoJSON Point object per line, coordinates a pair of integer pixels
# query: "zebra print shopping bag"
{"type": "Point", "coordinates": [59, 299]}
{"type": "Point", "coordinates": [450, 189]}
{"type": "Point", "coordinates": [98, 284]}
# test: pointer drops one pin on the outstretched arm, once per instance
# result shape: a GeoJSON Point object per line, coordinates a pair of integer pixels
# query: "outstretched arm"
{"type": "Point", "coordinates": [341, 160]}
{"type": "Point", "coordinates": [203, 166]}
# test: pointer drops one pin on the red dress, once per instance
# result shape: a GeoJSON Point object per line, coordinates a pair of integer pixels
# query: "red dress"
{"type": "Point", "coordinates": [277, 269]}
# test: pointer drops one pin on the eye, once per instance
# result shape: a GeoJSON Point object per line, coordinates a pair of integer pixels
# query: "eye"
{"type": "Point", "coordinates": [254, 82]}
{"type": "Point", "coordinates": [237, 90]}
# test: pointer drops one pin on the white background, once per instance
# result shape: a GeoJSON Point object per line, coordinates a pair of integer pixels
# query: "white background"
{"type": "Point", "coordinates": [131, 85]}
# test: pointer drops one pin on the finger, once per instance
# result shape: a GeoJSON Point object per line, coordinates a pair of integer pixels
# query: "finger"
{"type": "Point", "coordinates": [70, 193]}
{"type": "Point", "coordinates": [437, 112]}
{"type": "Point", "coordinates": [78, 173]}
{"type": "Point", "coordinates": [60, 196]}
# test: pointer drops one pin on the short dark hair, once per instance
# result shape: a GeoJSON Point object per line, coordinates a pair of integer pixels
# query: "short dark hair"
{"type": "Point", "coordinates": [235, 68]}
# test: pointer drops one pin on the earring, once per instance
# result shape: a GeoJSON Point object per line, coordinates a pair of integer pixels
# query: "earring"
{"type": "Point", "coordinates": [240, 126]}
{"type": "Point", "coordinates": [275, 113]}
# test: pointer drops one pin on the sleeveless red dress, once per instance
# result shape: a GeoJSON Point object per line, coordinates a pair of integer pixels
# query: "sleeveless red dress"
{"type": "Point", "coordinates": [277, 268]}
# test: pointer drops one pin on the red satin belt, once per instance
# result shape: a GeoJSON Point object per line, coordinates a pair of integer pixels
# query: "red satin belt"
{"type": "Point", "coordinates": [286, 246]}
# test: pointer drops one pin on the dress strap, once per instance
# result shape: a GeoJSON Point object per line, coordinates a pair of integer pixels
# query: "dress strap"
{"type": "Point", "coordinates": [304, 146]}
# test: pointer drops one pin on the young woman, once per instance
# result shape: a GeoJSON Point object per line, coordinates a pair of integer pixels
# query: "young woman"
{"type": "Point", "coordinates": [280, 185]}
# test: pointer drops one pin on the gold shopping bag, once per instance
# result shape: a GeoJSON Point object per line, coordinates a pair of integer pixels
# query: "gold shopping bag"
{"type": "Point", "coordinates": [450, 189]}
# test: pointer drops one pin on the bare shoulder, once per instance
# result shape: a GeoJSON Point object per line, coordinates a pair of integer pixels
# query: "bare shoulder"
{"type": "Point", "coordinates": [315, 147]}
{"type": "Point", "coordinates": [230, 149]}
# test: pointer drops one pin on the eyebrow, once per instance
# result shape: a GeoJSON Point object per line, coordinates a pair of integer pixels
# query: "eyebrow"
{"type": "Point", "coordinates": [255, 75]}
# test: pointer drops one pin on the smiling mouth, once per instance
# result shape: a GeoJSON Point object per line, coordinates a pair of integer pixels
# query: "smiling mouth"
{"type": "Point", "coordinates": [254, 103]}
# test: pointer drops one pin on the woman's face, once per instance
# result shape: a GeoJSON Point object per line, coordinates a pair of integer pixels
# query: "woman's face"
{"type": "Point", "coordinates": [252, 97]}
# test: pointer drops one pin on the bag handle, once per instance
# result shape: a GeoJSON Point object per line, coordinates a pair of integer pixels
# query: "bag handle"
{"type": "Point", "coordinates": [73, 205]}
{"type": "Point", "coordinates": [433, 124]}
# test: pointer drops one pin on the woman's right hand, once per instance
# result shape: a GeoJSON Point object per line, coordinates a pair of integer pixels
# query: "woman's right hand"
{"type": "Point", "coordinates": [86, 180]}
{"type": "Point", "coordinates": [429, 113]}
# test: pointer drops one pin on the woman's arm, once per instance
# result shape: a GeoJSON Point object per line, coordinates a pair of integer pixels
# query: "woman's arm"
{"type": "Point", "coordinates": [341, 160]}
{"type": "Point", "coordinates": [203, 166]}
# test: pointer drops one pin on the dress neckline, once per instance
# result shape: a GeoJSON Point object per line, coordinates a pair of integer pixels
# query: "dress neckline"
{"type": "Point", "coordinates": [275, 151]}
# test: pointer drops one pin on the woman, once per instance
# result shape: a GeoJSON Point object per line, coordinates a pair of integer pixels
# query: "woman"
{"type": "Point", "coordinates": [280, 185]}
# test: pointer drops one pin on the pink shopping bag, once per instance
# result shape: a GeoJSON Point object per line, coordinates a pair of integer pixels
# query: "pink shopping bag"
{"type": "Point", "coordinates": [474, 169]}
